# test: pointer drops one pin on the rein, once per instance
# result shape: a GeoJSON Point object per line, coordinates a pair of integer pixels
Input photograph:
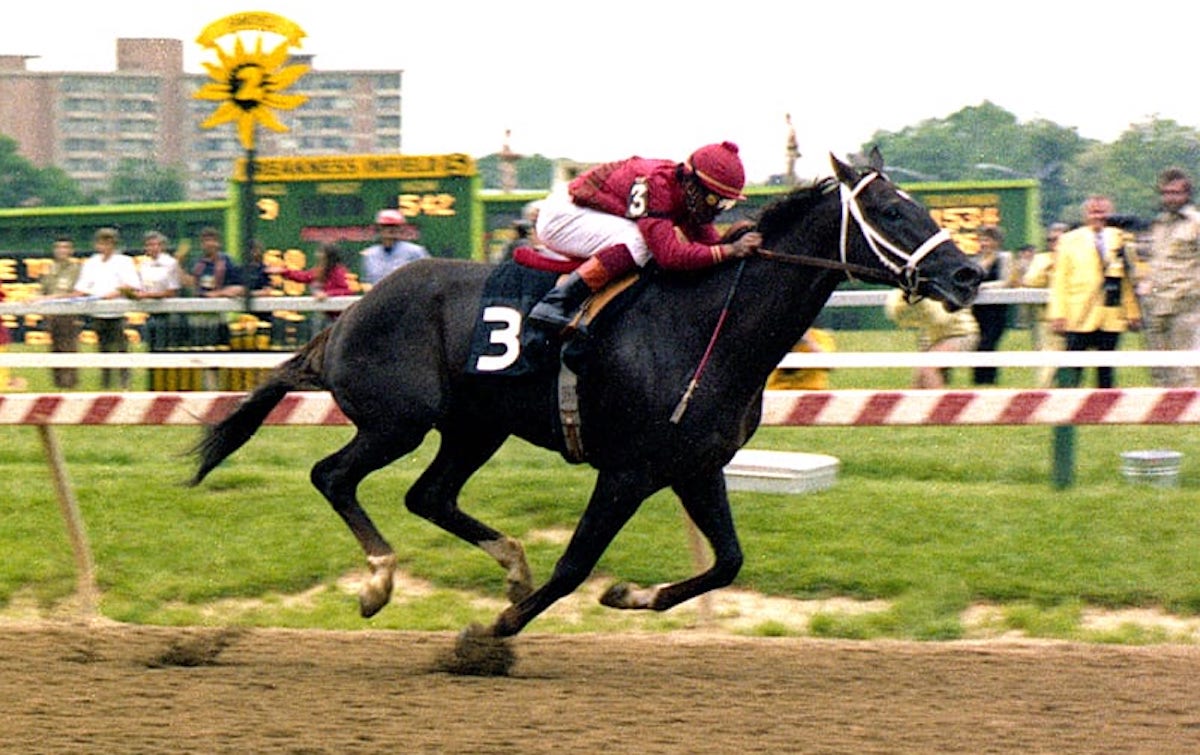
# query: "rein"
{"type": "Point", "coordinates": [858, 271]}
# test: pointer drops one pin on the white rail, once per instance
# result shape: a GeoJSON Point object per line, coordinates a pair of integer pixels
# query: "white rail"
{"type": "Point", "coordinates": [89, 306]}
{"type": "Point", "coordinates": [836, 360]}
{"type": "Point", "coordinates": [92, 306]}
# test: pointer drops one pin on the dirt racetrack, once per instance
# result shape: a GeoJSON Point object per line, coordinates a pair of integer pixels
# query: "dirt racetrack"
{"type": "Point", "coordinates": [69, 688]}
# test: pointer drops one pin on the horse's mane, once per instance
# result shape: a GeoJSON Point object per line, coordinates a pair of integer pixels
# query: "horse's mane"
{"type": "Point", "coordinates": [782, 212]}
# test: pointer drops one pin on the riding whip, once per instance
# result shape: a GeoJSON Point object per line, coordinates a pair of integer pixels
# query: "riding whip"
{"type": "Point", "coordinates": [682, 406]}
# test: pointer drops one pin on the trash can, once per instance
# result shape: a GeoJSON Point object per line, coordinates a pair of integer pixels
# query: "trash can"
{"type": "Point", "coordinates": [1158, 467]}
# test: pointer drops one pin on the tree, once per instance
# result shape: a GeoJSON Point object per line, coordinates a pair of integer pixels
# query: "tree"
{"type": "Point", "coordinates": [1053, 149]}
{"type": "Point", "coordinates": [987, 142]}
{"type": "Point", "coordinates": [1127, 170]}
{"type": "Point", "coordinates": [138, 181]}
{"type": "Point", "coordinates": [533, 173]}
{"type": "Point", "coordinates": [959, 147]}
{"type": "Point", "coordinates": [23, 184]}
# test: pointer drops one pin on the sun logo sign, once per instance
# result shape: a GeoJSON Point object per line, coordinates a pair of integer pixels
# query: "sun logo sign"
{"type": "Point", "coordinates": [248, 80]}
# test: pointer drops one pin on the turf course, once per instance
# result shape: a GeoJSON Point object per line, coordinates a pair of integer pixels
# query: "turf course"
{"type": "Point", "coordinates": [933, 520]}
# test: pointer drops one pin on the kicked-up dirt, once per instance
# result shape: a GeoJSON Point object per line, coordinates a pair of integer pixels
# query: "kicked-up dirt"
{"type": "Point", "coordinates": [78, 688]}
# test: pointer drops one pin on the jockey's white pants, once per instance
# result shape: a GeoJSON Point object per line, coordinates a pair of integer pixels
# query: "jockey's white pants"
{"type": "Point", "coordinates": [579, 232]}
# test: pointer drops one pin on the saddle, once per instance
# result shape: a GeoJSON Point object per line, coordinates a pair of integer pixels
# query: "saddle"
{"type": "Point", "coordinates": [552, 262]}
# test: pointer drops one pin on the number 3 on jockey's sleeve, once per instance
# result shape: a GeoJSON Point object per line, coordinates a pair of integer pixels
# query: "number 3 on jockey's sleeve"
{"type": "Point", "coordinates": [638, 202]}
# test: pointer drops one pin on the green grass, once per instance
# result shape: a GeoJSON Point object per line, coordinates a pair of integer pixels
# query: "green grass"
{"type": "Point", "coordinates": [931, 519]}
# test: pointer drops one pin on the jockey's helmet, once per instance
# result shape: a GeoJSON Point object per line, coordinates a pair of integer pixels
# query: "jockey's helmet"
{"type": "Point", "coordinates": [719, 169]}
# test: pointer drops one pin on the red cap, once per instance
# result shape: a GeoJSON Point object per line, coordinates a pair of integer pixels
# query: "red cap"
{"type": "Point", "coordinates": [390, 217]}
{"type": "Point", "coordinates": [720, 169]}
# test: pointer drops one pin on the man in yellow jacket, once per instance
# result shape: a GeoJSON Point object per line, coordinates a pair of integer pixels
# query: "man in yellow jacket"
{"type": "Point", "coordinates": [1091, 295]}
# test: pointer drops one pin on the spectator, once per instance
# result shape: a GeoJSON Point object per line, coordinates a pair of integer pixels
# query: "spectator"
{"type": "Point", "coordinates": [1091, 296]}
{"type": "Point", "coordinates": [992, 318]}
{"type": "Point", "coordinates": [7, 381]}
{"type": "Point", "coordinates": [160, 279]}
{"type": "Point", "coordinates": [59, 283]}
{"type": "Point", "coordinates": [1041, 268]}
{"type": "Point", "coordinates": [1026, 313]}
{"type": "Point", "coordinates": [814, 341]}
{"type": "Point", "coordinates": [525, 231]}
{"type": "Point", "coordinates": [329, 277]}
{"type": "Point", "coordinates": [937, 330]}
{"type": "Point", "coordinates": [109, 274]}
{"type": "Point", "coordinates": [256, 277]}
{"type": "Point", "coordinates": [255, 274]}
{"type": "Point", "coordinates": [392, 252]}
{"type": "Point", "coordinates": [215, 274]}
{"type": "Point", "coordinates": [522, 236]}
{"type": "Point", "coordinates": [1171, 289]}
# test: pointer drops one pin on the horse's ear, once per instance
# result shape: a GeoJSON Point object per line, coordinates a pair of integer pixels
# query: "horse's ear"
{"type": "Point", "coordinates": [844, 172]}
{"type": "Point", "coordinates": [876, 159]}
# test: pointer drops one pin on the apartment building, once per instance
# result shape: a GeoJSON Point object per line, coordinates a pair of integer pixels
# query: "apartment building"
{"type": "Point", "coordinates": [87, 122]}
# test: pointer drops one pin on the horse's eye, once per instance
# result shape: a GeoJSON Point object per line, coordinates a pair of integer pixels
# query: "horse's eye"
{"type": "Point", "coordinates": [892, 212]}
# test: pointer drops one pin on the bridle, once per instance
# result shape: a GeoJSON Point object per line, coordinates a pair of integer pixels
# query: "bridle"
{"type": "Point", "coordinates": [901, 264]}
{"type": "Point", "coordinates": [903, 272]}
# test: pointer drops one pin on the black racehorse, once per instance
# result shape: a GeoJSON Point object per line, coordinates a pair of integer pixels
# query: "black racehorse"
{"type": "Point", "coordinates": [671, 388]}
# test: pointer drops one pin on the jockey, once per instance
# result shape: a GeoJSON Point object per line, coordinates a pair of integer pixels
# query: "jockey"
{"type": "Point", "coordinates": [620, 215]}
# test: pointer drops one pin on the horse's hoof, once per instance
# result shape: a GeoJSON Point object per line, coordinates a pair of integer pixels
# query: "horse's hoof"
{"type": "Point", "coordinates": [377, 590]}
{"type": "Point", "coordinates": [518, 591]}
{"type": "Point", "coordinates": [629, 595]}
{"type": "Point", "coordinates": [478, 652]}
{"type": "Point", "coordinates": [617, 596]}
{"type": "Point", "coordinates": [368, 606]}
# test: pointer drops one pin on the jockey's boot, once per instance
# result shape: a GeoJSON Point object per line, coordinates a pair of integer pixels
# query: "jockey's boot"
{"type": "Point", "coordinates": [558, 308]}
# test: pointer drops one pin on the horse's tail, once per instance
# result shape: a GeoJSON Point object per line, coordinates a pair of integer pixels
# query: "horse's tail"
{"type": "Point", "coordinates": [301, 372]}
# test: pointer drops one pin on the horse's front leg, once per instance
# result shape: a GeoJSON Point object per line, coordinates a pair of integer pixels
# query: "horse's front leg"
{"type": "Point", "coordinates": [614, 500]}
{"type": "Point", "coordinates": [706, 502]}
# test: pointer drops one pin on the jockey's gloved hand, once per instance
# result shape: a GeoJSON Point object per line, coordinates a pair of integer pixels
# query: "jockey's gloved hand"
{"type": "Point", "coordinates": [745, 246]}
{"type": "Point", "coordinates": [736, 230]}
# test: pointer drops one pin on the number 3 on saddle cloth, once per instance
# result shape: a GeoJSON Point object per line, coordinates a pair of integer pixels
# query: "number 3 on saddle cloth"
{"type": "Point", "coordinates": [501, 344]}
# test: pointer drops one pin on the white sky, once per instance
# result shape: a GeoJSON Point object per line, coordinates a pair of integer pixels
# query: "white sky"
{"type": "Point", "coordinates": [600, 81]}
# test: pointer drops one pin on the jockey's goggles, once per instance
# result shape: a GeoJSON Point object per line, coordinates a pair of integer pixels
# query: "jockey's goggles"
{"type": "Point", "coordinates": [721, 203]}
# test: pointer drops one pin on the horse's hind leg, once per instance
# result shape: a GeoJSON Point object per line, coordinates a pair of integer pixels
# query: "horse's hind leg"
{"type": "Point", "coordinates": [337, 477]}
{"type": "Point", "coordinates": [706, 502]}
{"type": "Point", "coordinates": [434, 497]}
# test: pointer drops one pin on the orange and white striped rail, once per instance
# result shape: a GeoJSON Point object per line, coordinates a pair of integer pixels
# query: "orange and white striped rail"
{"type": "Point", "coordinates": [993, 406]}
{"type": "Point", "coordinates": [153, 408]}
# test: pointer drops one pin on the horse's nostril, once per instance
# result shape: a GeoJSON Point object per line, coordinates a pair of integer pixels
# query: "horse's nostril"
{"type": "Point", "coordinates": [968, 275]}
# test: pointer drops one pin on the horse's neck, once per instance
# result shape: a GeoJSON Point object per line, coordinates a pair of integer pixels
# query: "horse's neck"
{"type": "Point", "coordinates": [791, 294]}
{"type": "Point", "coordinates": [770, 305]}
{"type": "Point", "coordinates": [763, 334]}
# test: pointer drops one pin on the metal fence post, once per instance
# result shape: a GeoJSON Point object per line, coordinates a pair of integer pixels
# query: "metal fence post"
{"type": "Point", "coordinates": [1063, 474]}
